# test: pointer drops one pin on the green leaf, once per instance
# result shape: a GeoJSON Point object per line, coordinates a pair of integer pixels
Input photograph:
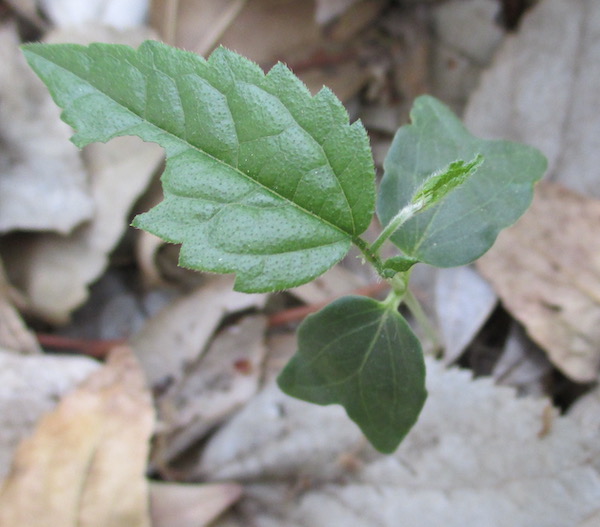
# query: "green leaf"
{"type": "Point", "coordinates": [361, 354]}
{"type": "Point", "coordinates": [466, 223]}
{"type": "Point", "coordinates": [262, 179]}
{"type": "Point", "coordinates": [439, 184]}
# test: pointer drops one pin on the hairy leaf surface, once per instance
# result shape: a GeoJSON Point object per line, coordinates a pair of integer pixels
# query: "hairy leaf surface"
{"type": "Point", "coordinates": [262, 179]}
{"type": "Point", "coordinates": [361, 354]}
{"type": "Point", "coordinates": [466, 222]}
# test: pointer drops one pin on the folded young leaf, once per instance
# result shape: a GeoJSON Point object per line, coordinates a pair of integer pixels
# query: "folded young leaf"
{"type": "Point", "coordinates": [262, 179]}
{"type": "Point", "coordinates": [465, 224]}
{"type": "Point", "coordinates": [361, 354]}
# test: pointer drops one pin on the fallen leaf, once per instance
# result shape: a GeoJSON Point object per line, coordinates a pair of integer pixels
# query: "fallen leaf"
{"type": "Point", "coordinates": [14, 335]}
{"type": "Point", "coordinates": [547, 94]}
{"type": "Point", "coordinates": [121, 14]}
{"type": "Point", "coordinates": [85, 463]}
{"type": "Point", "coordinates": [335, 282]}
{"type": "Point", "coordinates": [224, 378]}
{"type": "Point", "coordinates": [179, 333]}
{"type": "Point", "coordinates": [43, 184]}
{"type": "Point", "coordinates": [546, 270]}
{"type": "Point", "coordinates": [56, 271]}
{"type": "Point", "coordinates": [464, 301]}
{"type": "Point", "coordinates": [523, 365]}
{"type": "Point", "coordinates": [328, 10]}
{"type": "Point", "coordinates": [474, 458]}
{"type": "Point", "coordinates": [190, 505]}
{"type": "Point", "coordinates": [30, 387]}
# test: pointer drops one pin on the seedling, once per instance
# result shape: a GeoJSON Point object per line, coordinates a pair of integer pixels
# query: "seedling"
{"type": "Point", "coordinates": [270, 183]}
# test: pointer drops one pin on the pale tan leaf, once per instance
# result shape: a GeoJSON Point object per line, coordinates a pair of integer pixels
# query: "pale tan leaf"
{"type": "Point", "coordinates": [120, 14]}
{"type": "Point", "coordinates": [543, 88]}
{"type": "Point", "coordinates": [84, 465]}
{"type": "Point", "coordinates": [43, 183]}
{"type": "Point", "coordinates": [478, 456]}
{"type": "Point", "coordinates": [29, 387]}
{"type": "Point", "coordinates": [546, 270]}
{"type": "Point", "coordinates": [55, 271]}
{"type": "Point", "coordinates": [328, 10]}
{"type": "Point", "coordinates": [190, 505]}
{"type": "Point", "coordinates": [180, 332]}
{"type": "Point", "coordinates": [224, 378]}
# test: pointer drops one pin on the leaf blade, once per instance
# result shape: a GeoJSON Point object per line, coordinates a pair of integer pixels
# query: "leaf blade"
{"type": "Point", "coordinates": [271, 143]}
{"type": "Point", "coordinates": [359, 353]}
{"type": "Point", "coordinates": [465, 224]}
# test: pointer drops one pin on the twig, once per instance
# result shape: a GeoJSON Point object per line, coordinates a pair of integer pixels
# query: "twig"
{"type": "Point", "coordinates": [98, 349]}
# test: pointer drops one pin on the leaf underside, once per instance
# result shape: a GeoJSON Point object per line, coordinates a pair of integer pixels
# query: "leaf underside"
{"type": "Point", "coordinates": [363, 355]}
{"type": "Point", "coordinates": [466, 223]}
{"type": "Point", "coordinates": [262, 179]}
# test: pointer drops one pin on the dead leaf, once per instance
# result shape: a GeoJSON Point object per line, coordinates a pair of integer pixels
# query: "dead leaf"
{"type": "Point", "coordinates": [180, 332]}
{"type": "Point", "coordinates": [328, 10]}
{"type": "Point", "coordinates": [546, 270]}
{"type": "Point", "coordinates": [224, 378]}
{"type": "Point", "coordinates": [463, 302]}
{"type": "Point", "coordinates": [55, 271]}
{"type": "Point", "coordinates": [190, 505]}
{"type": "Point", "coordinates": [120, 14]}
{"type": "Point", "coordinates": [335, 282]}
{"type": "Point", "coordinates": [523, 365]}
{"type": "Point", "coordinates": [474, 458]}
{"type": "Point", "coordinates": [43, 183]}
{"type": "Point", "coordinates": [14, 335]}
{"type": "Point", "coordinates": [85, 463]}
{"type": "Point", "coordinates": [29, 387]}
{"type": "Point", "coordinates": [543, 90]}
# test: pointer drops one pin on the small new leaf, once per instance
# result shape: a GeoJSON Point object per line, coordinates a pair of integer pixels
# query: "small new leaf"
{"type": "Point", "coordinates": [361, 354]}
{"type": "Point", "coordinates": [439, 184]}
{"type": "Point", "coordinates": [262, 179]}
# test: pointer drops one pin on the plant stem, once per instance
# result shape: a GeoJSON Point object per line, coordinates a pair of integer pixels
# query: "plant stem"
{"type": "Point", "coordinates": [422, 319]}
{"type": "Point", "coordinates": [396, 222]}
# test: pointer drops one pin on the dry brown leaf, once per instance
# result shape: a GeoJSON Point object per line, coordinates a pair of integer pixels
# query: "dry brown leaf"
{"type": "Point", "coordinates": [84, 466]}
{"type": "Point", "coordinates": [546, 270]}
{"type": "Point", "coordinates": [328, 10]}
{"type": "Point", "coordinates": [190, 505]}
{"type": "Point", "coordinates": [55, 271]}
{"type": "Point", "coordinates": [543, 90]}
{"type": "Point", "coordinates": [219, 383]}
{"type": "Point", "coordinates": [178, 334]}
{"type": "Point", "coordinates": [478, 456]}
{"type": "Point", "coordinates": [14, 335]}
{"type": "Point", "coordinates": [43, 183]}
{"type": "Point", "coordinates": [29, 387]}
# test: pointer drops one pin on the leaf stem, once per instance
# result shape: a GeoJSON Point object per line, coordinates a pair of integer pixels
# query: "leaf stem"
{"type": "Point", "coordinates": [422, 319]}
{"type": "Point", "coordinates": [396, 222]}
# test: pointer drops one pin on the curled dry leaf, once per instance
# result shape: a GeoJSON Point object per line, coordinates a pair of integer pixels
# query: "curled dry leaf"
{"type": "Point", "coordinates": [546, 270]}
{"type": "Point", "coordinates": [85, 464]}
{"type": "Point", "coordinates": [547, 94]}
{"type": "Point", "coordinates": [476, 457]}
{"type": "Point", "coordinates": [29, 387]}
{"type": "Point", "coordinates": [43, 184]}
{"type": "Point", "coordinates": [55, 271]}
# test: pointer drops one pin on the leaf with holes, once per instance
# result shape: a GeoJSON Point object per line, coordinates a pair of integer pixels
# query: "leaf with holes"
{"type": "Point", "coordinates": [362, 354]}
{"type": "Point", "coordinates": [262, 179]}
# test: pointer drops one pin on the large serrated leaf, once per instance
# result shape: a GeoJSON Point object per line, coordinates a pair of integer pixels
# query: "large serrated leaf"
{"type": "Point", "coordinates": [466, 223]}
{"type": "Point", "coordinates": [262, 179]}
{"type": "Point", "coordinates": [361, 354]}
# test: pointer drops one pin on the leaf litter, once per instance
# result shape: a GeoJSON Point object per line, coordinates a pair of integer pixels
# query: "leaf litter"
{"type": "Point", "coordinates": [307, 469]}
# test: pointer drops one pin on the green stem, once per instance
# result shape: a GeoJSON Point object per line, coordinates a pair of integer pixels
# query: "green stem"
{"type": "Point", "coordinates": [396, 222]}
{"type": "Point", "coordinates": [422, 319]}
{"type": "Point", "coordinates": [369, 255]}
